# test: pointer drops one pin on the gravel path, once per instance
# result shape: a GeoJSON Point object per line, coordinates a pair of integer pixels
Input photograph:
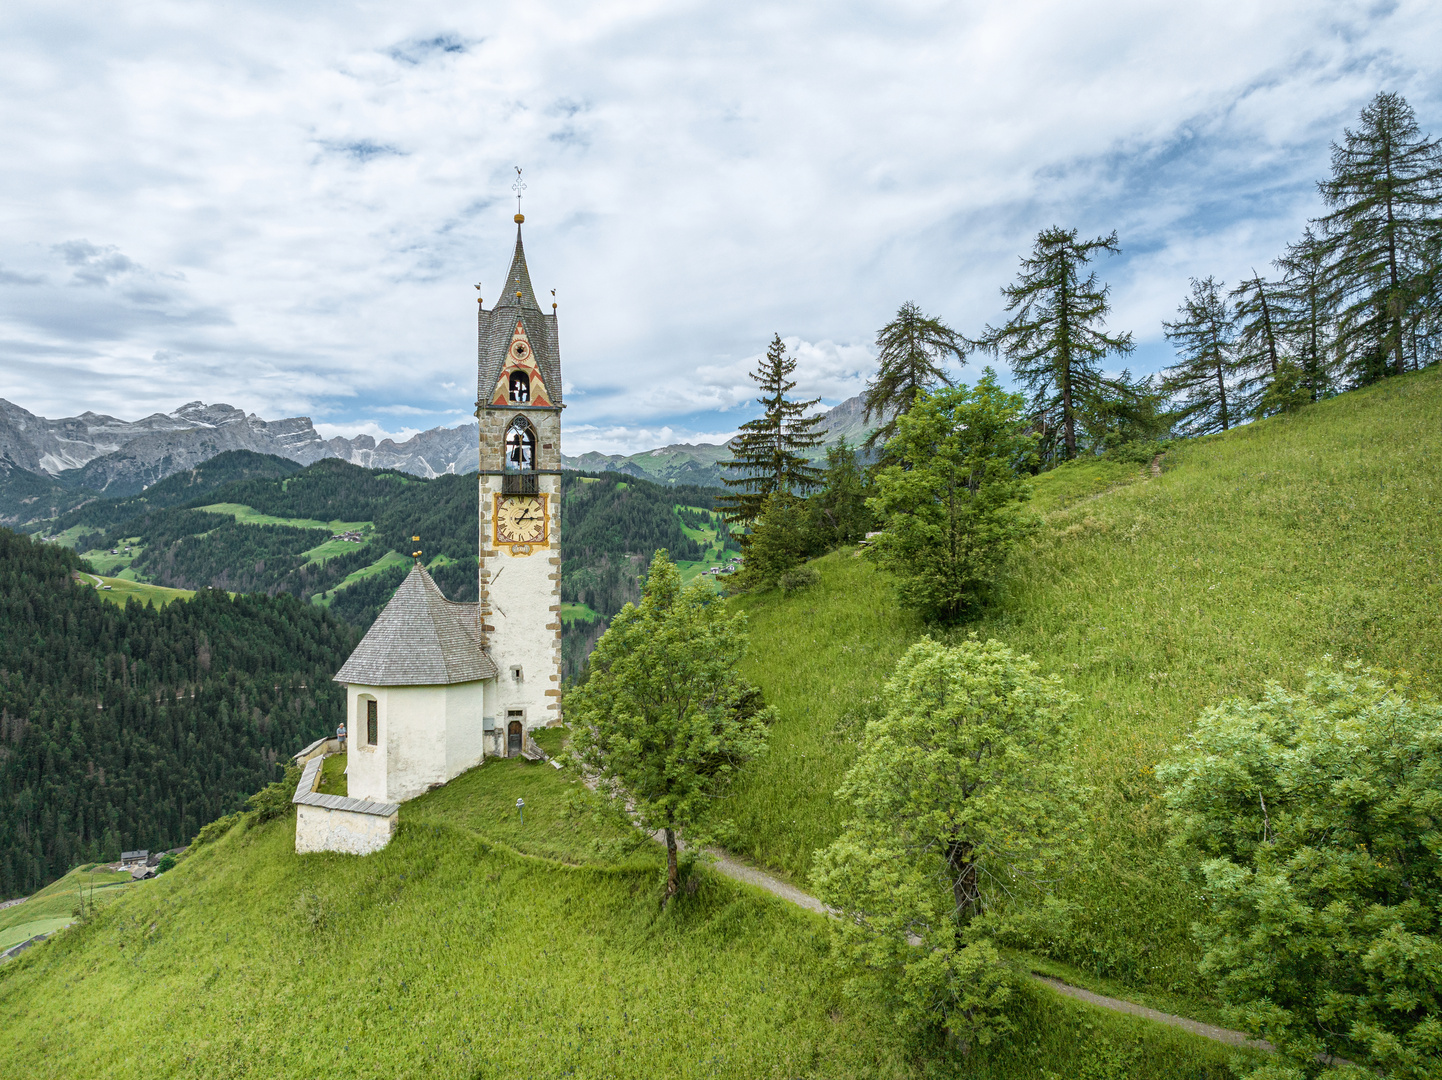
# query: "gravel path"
{"type": "Point", "coordinates": [725, 864]}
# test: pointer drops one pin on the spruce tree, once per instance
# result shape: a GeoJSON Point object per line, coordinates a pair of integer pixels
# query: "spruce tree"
{"type": "Point", "coordinates": [1054, 341]}
{"type": "Point", "coordinates": [1385, 198]}
{"type": "Point", "coordinates": [1206, 371]}
{"type": "Point", "coordinates": [912, 347]}
{"type": "Point", "coordinates": [770, 450]}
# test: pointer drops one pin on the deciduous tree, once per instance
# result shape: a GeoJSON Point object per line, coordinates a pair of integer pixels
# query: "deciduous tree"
{"type": "Point", "coordinates": [1313, 818]}
{"type": "Point", "coordinates": [959, 794]}
{"type": "Point", "coordinates": [664, 721]}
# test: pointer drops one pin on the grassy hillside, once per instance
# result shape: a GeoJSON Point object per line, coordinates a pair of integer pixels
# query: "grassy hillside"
{"type": "Point", "coordinates": [455, 954]}
{"type": "Point", "coordinates": [1252, 555]}
{"type": "Point", "coordinates": [54, 906]}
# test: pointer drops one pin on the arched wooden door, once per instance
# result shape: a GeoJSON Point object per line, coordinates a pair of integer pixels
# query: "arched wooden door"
{"type": "Point", "coordinates": [513, 738]}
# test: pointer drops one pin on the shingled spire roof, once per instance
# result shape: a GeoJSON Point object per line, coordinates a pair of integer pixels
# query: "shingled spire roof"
{"type": "Point", "coordinates": [519, 279]}
{"type": "Point", "coordinates": [495, 327]}
{"type": "Point", "coordinates": [420, 639]}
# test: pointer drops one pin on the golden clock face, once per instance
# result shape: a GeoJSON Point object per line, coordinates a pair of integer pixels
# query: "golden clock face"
{"type": "Point", "coordinates": [520, 519]}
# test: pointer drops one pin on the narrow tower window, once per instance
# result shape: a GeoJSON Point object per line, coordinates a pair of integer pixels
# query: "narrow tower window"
{"type": "Point", "coordinates": [372, 723]}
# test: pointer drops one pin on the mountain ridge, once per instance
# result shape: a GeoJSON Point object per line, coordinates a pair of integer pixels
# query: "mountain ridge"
{"type": "Point", "coordinates": [98, 453]}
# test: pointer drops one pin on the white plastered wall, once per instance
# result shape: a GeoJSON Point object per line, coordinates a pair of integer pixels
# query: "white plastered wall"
{"type": "Point", "coordinates": [521, 593]}
{"type": "Point", "coordinates": [318, 828]}
{"type": "Point", "coordinates": [426, 736]}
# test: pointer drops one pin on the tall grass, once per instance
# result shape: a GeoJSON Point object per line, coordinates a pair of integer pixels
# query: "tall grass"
{"type": "Point", "coordinates": [449, 955]}
{"type": "Point", "coordinates": [1251, 556]}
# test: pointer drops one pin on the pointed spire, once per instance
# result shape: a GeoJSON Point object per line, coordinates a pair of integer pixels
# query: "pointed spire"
{"type": "Point", "coordinates": [519, 280]}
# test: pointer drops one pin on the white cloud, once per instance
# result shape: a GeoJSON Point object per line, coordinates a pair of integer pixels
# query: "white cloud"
{"type": "Point", "coordinates": [367, 427]}
{"type": "Point", "coordinates": [285, 207]}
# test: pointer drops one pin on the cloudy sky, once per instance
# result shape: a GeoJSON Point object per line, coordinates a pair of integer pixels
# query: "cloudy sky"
{"type": "Point", "coordinates": [285, 206]}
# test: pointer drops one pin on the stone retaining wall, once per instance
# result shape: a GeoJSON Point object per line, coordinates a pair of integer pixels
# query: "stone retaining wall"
{"type": "Point", "coordinates": [338, 823]}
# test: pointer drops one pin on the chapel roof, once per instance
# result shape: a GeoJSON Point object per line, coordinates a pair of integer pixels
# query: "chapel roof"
{"type": "Point", "coordinates": [495, 327]}
{"type": "Point", "coordinates": [420, 639]}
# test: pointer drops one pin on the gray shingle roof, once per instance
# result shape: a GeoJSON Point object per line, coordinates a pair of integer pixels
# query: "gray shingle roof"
{"type": "Point", "coordinates": [306, 795]}
{"type": "Point", "coordinates": [496, 326]}
{"type": "Point", "coordinates": [420, 639]}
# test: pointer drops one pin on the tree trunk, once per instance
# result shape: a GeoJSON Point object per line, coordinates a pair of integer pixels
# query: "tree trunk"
{"type": "Point", "coordinates": [672, 874]}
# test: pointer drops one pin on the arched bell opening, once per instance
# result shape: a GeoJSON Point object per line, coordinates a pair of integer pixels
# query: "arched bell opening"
{"type": "Point", "coordinates": [520, 446]}
{"type": "Point", "coordinates": [520, 387]}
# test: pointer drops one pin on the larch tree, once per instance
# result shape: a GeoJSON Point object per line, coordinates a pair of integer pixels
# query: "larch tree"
{"type": "Point", "coordinates": [1309, 312]}
{"type": "Point", "coordinates": [770, 451]}
{"type": "Point", "coordinates": [1203, 377]}
{"type": "Point", "coordinates": [912, 349]}
{"type": "Point", "coordinates": [1385, 202]}
{"type": "Point", "coordinates": [1055, 340]}
{"type": "Point", "coordinates": [664, 721]}
{"type": "Point", "coordinates": [1256, 319]}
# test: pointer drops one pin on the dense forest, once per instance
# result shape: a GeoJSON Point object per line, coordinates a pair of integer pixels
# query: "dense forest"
{"type": "Point", "coordinates": [128, 726]}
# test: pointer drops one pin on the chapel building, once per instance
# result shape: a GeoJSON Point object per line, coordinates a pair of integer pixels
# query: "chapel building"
{"type": "Point", "coordinates": [436, 686]}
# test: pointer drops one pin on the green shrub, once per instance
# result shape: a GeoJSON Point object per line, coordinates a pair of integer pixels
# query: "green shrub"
{"type": "Point", "coordinates": [274, 800]}
{"type": "Point", "coordinates": [216, 829]}
{"type": "Point", "coordinates": [1313, 817]}
{"type": "Point", "coordinates": [799, 577]}
{"type": "Point", "coordinates": [167, 862]}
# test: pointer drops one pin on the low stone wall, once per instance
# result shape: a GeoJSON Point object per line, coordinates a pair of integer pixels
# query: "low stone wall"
{"type": "Point", "coordinates": [338, 823]}
{"type": "Point", "coordinates": [320, 748]}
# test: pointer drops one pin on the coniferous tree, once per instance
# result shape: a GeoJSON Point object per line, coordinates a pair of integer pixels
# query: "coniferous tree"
{"type": "Point", "coordinates": [1055, 342]}
{"type": "Point", "coordinates": [1207, 369]}
{"type": "Point", "coordinates": [1385, 197]}
{"type": "Point", "coordinates": [770, 451]}
{"type": "Point", "coordinates": [912, 347]}
{"type": "Point", "coordinates": [1256, 325]}
{"type": "Point", "coordinates": [1309, 312]}
{"type": "Point", "coordinates": [839, 514]}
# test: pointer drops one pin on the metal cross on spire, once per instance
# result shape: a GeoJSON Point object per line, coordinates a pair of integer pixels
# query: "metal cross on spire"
{"type": "Point", "coordinates": [518, 187]}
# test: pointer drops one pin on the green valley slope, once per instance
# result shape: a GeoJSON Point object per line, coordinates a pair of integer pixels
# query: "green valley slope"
{"type": "Point", "coordinates": [473, 946]}
{"type": "Point", "coordinates": [1251, 556]}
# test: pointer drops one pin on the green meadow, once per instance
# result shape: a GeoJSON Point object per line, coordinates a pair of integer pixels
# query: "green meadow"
{"type": "Point", "coordinates": [478, 946]}
{"type": "Point", "coordinates": [54, 906]}
{"type": "Point", "coordinates": [1251, 556]}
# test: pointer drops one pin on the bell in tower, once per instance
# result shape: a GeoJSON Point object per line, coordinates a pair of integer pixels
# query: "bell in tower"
{"type": "Point", "coordinates": [518, 404]}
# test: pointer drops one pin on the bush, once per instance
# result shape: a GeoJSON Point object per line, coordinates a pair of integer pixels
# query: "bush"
{"type": "Point", "coordinates": [274, 800]}
{"type": "Point", "coordinates": [167, 862]}
{"type": "Point", "coordinates": [798, 578]}
{"type": "Point", "coordinates": [212, 832]}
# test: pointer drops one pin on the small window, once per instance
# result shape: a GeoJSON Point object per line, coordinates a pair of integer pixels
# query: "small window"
{"type": "Point", "coordinates": [517, 674]}
{"type": "Point", "coordinates": [372, 723]}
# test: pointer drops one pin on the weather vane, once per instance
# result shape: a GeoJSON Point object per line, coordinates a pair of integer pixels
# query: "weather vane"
{"type": "Point", "coordinates": [518, 187]}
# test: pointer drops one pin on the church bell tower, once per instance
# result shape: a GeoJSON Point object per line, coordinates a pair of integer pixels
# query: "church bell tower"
{"type": "Point", "coordinates": [518, 404]}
